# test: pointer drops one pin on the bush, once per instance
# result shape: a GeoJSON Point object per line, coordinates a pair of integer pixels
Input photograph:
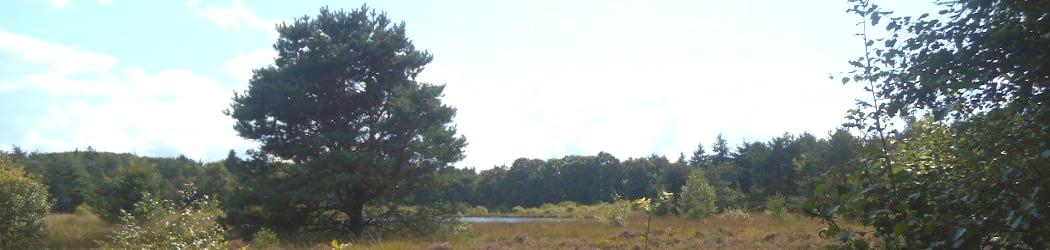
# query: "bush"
{"type": "Point", "coordinates": [166, 224]}
{"type": "Point", "coordinates": [698, 197]}
{"type": "Point", "coordinates": [518, 210]}
{"type": "Point", "coordinates": [23, 205]}
{"type": "Point", "coordinates": [776, 205]}
{"type": "Point", "coordinates": [479, 210]}
{"type": "Point", "coordinates": [84, 209]}
{"type": "Point", "coordinates": [617, 214]}
{"type": "Point", "coordinates": [265, 238]}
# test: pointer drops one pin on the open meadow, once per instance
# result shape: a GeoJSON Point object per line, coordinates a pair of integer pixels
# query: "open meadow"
{"type": "Point", "coordinates": [721, 231]}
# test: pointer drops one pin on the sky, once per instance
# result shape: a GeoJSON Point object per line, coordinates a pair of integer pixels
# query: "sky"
{"type": "Point", "coordinates": [535, 79]}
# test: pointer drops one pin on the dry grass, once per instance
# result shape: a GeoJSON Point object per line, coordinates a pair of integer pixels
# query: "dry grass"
{"type": "Point", "coordinates": [69, 231]}
{"type": "Point", "coordinates": [713, 232]}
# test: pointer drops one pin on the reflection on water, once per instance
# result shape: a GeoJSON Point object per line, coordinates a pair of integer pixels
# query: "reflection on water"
{"type": "Point", "coordinates": [511, 219]}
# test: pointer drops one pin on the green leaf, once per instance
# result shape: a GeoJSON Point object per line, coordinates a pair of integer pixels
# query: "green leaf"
{"type": "Point", "coordinates": [845, 80]}
{"type": "Point", "coordinates": [807, 206]}
{"type": "Point", "coordinates": [891, 42]}
{"type": "Point", "coordinates": [900, 228]}
{"type": "Point", "coordinates": [820, 190]}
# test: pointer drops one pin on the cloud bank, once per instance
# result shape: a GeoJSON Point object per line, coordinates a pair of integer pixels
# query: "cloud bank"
{"type": "Point", "coordinates": [59, 98]}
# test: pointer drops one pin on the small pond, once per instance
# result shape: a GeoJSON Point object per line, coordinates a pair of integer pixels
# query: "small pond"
{"type": "Point", "coordinates": [511, 219]}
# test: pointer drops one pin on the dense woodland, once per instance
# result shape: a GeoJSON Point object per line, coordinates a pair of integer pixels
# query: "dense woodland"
{"type": "Point", "coordinates": [951, 151]}
{"type": "Point", "coordinates": [742, 176]}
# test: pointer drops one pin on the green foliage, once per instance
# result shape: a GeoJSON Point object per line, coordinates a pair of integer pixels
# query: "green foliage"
{"type": "Point", "coordinates": [265, 239]}
{"type": "Point", "coordinates": [479, 210]}
{"type": "Point", "coordinates": [725, 179]}
{"type": "Point", "coordinates": [342, 105]}
{"type": "Point", "coordinates": [617, 212]}
{"type": "Point", "coordinates": [84, 209]}
{"type": "Point", "coordinates": [93, 178]}
{"type": "Point", "coordinates": [134, 178]}
{"type": "Point", "coordinates": [402, 220]}
{"type": "Point", "coordinates": [776, 205]}
{"type": "Point", "coordinates": [23, 205]}
{"type": "Point", "coordinates": [186, 223]}
{"type": "Point", "coordinates": [976, 179]}
{"type": "Point", "coordinates": [698, 196]}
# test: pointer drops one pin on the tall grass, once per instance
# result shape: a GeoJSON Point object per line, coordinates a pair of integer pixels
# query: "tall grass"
{"type": "Point", "coordinates": [734, 230]}
{"type": "Point", "coordinates": [69, 231]}
{"type": "Point", "coordinates": [565, 209]}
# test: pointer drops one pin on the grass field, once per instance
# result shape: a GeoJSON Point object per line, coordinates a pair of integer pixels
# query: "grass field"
{"type": "Point", "coordinates": [69, 231]}
{"type": "Point", "coordinates": [714, 232]}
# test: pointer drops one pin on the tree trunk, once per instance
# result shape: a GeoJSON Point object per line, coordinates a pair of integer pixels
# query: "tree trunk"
{"type": "Point", "coordinates": [357, 220]}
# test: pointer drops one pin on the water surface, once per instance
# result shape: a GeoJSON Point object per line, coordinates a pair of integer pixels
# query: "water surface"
{"type": "Point", "coordinates": [488, 219]}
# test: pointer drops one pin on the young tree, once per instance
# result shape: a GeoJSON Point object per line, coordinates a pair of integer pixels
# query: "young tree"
{"type": "Point", "coordinates": [187, 222]}
{"type": "Point", "coordinates": [342, 102]}
{"type": "Point", "coordinates": [134, 177]}
{"type": "Point", "coordinates": [700, 157]}
{"type": "Point", "coordinates": [698, 196]}
{"type": "Point", "coordinates": [721, 149]}
{"type": "Point", "coordinates": [978, 179]}
{"type": "Point", "coordinates": [23, 204]}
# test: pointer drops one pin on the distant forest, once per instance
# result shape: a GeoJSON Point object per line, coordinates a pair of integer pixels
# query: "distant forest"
{"type": "Point", "coordinates": [743, 176]}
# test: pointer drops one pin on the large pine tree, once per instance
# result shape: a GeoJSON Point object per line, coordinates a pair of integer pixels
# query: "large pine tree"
{"type": "Point", "coordinates": [343, 104]}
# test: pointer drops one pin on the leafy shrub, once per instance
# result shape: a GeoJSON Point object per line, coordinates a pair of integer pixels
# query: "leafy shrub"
{"type": "Point", "coordinates": [617, 213]}
{"type": "Point", "coordinates": [667, 207]}
{"type": "Point", "coordinates": [265, 238]}
{"type": "Point", "coordinates": [479, 210]}
{"type": "Point", "coordinates": [518, 210]}
{"type": "Point", "coordinates": [84, 209]}
{"type": "Point", "coordinates": [776, 205]}
{"type": "Point", "coordinates": [164, 224]}
{"type": "Point", "coordinates": [698, 196]}
{"type": "Point", "coordinates": [23, 205]}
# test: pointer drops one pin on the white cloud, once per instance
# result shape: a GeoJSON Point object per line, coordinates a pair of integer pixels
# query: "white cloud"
{"type": "Point", "coordinates": [638, 110]}
{"type": "Point", "coordinates": [237, 16]}
{"type": "Point", "coordinates": [87, 102]}
{"type": "Point", "coordinates": [32, 51]}
{"type": "Point", "coordinates": [241, 66]}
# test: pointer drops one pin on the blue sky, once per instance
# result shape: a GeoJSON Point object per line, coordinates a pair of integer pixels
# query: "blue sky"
{"type": "Point", "coordinates": [537, 79]}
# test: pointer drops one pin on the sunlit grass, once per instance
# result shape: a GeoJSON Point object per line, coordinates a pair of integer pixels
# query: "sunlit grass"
{"type": "Point", "coordinates": [69, 231]}
{"type": "Point", "coordinates": [756, 230]}
{"type": "Point", "coordinates": [713, 232]}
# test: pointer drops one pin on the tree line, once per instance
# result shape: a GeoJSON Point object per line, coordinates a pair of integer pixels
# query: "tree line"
{"type": "Point", "coordinates": [109, 182]}
{"type": "Point", "coordinates": [743, 177]}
